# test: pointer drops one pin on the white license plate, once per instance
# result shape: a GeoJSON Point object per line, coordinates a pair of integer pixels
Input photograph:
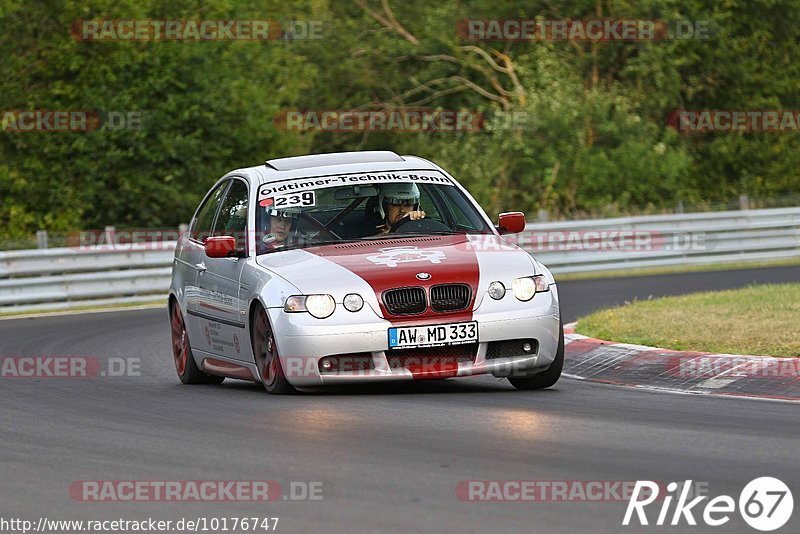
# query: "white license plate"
{"type": "Point", "coordinates": [406, 337]}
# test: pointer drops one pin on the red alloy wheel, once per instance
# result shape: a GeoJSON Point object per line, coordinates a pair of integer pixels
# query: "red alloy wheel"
{"type": "Point", "coordinates": [265, 350]}
{"type": "Point", "coordinates": [180, 341]}
{"type": "Point", "coordinates": [266, 355]}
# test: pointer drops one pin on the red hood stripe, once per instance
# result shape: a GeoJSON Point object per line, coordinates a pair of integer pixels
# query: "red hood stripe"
{"type": "Point", "coordinates": [392, 263]}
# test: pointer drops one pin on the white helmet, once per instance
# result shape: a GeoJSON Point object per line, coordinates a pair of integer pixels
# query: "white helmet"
{"type": "Point", "coordinates": [398, 193]}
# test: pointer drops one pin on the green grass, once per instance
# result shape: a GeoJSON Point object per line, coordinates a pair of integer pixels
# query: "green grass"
{"type": "Point", "coordinates": [619, 273]}
{"type": "Point", "coordinates": [758, 319]}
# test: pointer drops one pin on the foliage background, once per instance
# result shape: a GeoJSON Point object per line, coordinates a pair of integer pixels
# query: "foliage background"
{"type": "Point", "coordinates": [597, 142]}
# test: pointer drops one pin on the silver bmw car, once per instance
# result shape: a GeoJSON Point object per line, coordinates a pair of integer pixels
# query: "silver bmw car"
{"type": "Point", "coordinates": [357, 267]}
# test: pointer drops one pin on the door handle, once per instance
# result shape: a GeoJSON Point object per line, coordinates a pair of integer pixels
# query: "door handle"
{"type": "Point", "coordinates": [201, 267]}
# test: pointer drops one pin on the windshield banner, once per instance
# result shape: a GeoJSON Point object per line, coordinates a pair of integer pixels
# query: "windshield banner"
{"type": "Point", "coordinates": [293, 185]}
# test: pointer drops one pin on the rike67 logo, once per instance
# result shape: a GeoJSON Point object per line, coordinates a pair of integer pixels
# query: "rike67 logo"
{"type": "Point", "coordinates": [765, 504]}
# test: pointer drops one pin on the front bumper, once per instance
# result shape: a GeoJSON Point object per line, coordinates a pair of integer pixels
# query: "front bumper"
{"type": "Point", "coordinates": [303, 340]}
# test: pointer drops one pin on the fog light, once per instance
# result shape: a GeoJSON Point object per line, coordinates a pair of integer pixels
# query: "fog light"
{"type": "Point", "coordinates": [353, 302]}
{"type": "Point", "coordinates": [326, 364]}
{"type": "Point", "coordinates": [497, 290]}
{"type": "Point", "coordinates": [526, 347]}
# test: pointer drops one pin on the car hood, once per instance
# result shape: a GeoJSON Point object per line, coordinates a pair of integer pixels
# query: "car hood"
{"type": "Point", "coordinates": [372, 267]}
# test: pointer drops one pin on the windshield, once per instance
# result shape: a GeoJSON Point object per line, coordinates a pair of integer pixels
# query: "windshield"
{"type": "Point", "coordinates": [316, 211]}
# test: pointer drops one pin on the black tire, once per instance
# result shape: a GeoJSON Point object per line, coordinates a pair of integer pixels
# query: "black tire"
{"type": "Point", "coordinates": [185, 366]}
{"type": "Point", "coordinates": [546, 378]}
{"type": "Point", "coordinates": [265, 351]}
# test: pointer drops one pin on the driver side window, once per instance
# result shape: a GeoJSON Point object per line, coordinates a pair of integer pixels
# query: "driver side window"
{"type": "Point", "coordinates": [200, 228]}
{"type": "Point", "coordinates": [232, 218]}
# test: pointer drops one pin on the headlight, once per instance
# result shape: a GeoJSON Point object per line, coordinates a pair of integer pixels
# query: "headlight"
{"type": "Point", "coordinates": [353, 302]}
{"type": "Point", "coordinates": [525, 288]}
{"type": "Point", "coordinates": [497, 290]}
{"type": "Point", "coordinates": [319, 306]}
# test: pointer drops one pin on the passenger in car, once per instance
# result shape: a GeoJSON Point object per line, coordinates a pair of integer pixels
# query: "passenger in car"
{"type": "Point", "coordinates": [395, 201]}
{"type": "Point", "coordinates": [280, 223]}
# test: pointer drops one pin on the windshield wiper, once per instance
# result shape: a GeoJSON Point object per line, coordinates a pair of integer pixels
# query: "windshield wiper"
{"type": "Point", "coordinates": [416, 234]}
{"type": "Point", "coordinates": [446, 232]}
{"type": "Point", "coordinates": [323, 242]}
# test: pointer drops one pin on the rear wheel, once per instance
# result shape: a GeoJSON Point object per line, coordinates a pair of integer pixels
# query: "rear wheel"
{"type": "Point", "coordinates": [266, 356]}
{"type": "Point", "coordinates": [187, 370]}
{"type": "Point", "coordinates": [546, 378]}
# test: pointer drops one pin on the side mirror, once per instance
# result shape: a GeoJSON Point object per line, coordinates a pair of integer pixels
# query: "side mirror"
{"type": "Point", "coordinates": [511, 223]}
{"type": "Point", "coordinates": [220, 247]}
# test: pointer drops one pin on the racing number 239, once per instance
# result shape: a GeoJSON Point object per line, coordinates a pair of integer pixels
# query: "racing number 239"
{"type": "Point", "coordinates": [296, 200]}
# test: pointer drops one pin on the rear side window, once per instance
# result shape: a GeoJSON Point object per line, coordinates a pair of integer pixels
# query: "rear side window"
{"type": "Point", "coordinates": [201, 225]}
{"type": "Point", "coordinates": [232, 218]}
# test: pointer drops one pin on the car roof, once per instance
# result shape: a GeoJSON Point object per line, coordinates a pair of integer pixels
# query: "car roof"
{"type": "Point", "coordinates": [334, 163]}
{"type": "Point", "coordinates": [336, 158]}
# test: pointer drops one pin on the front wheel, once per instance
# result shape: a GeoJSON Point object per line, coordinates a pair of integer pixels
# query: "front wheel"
{"type": "Point", "coordinates": [187, 370]}
{"type": "Point", "coordinates": [550, 376]}
{"type": "Point", "coordinates": [266, 356]}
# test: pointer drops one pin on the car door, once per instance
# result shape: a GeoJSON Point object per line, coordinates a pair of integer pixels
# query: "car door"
{"type": "Point", "coordinates": [220, 312]}
{"type": "Point", "coordinates": [192, 259]}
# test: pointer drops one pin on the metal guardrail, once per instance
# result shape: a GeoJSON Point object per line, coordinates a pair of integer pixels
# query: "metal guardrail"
{"type": "Point", "coordinates": [65, 277]}
{"type": "Point", "coordinates": [59, 278]}
{"type": "Point", "coordinates": [665, 240]}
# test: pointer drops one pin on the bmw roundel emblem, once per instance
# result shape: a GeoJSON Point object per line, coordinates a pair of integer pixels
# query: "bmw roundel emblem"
{"type": "Point", "coordinates": [423, 276]}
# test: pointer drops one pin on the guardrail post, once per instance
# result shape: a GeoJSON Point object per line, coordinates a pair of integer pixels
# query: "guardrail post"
{"type": "Point", "coordinates": [744, 202]}
{"type": "Point", "coordinates": [108, 235]}
{"type": "Point", "coordinates": [182, 229]}
{"type": "Point", "coordinates": [41, 238]}
{"type": "Point", "coordinates": [543, 215]}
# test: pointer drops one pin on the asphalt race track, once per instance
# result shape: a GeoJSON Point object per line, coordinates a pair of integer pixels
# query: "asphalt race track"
{"type": "Point", "coordinates": [389, 457]}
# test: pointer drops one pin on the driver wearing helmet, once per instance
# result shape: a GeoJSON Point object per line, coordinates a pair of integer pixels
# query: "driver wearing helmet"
{"type": "Point", "coordinates": [279, 227]}
{"type": "Point", "coordinates": [395, 201]}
